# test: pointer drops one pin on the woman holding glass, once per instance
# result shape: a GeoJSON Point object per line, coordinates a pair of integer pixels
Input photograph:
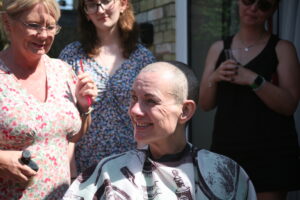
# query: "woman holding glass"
{"type": "Point", "coordinates": [256, 93]}
{"type": "Point", "coordinates": [109, 51]}
{"type": "Point", "coordinates": [39, 102]}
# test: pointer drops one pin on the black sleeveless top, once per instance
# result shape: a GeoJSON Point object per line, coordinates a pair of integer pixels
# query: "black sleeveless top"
{"type": "Point", "coordinates": [245, 129]}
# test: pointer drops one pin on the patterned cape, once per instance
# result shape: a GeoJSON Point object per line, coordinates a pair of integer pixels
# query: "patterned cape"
{"type": "Point", "coordinates": [191, 174]}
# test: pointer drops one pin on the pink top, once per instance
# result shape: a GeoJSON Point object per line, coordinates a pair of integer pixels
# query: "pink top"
{"type": "Point", "coordinates": [41, 127]}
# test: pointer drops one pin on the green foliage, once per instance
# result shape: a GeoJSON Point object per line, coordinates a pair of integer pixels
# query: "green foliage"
{"type": "Point", "coordinates": [214, 18]}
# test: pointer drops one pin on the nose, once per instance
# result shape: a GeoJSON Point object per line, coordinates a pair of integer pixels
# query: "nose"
{"type": "Point", "coordinates": [136, 109]}
{"type": "Point", "coordinates": [254, 5]}
{"type": "Point", "coordinates": [42, 32]}
{"type": "Point", "coordinates": [100, 8]}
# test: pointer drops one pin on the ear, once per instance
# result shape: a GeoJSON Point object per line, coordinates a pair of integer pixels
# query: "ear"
{"type": "Point", "coordinates": [5, 22]}
{"type": "Point", "coordinates": [124, 4]}
{"type": "Point", "coordinates": [188, 110]}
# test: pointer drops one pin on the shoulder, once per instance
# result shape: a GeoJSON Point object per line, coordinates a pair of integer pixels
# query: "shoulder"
{"type": "Point", "coordinates": [223, 176]}
{"type": "Point", "coordinates": [143, 53]}
{"type": "Point", "coordinates": [217, 46]}
{"type": "Point", "coordinates": [59, 67]}
{"type": "Point", "coordinates": [71, 50]}
{"type": "Point", "coordinates": [284, 45]}
{"type": "Point", "coordinates": [110, 166]}
{"type": "Point", "coordinates": [113, 169]}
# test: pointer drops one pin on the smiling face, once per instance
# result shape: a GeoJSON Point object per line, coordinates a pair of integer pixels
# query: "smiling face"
{"type": "Point", "coordinates": [27, 41]}
{"type": "Point", "coordinates": [108, 13]}
{"type": "Point", "coordinates": [154, 110]}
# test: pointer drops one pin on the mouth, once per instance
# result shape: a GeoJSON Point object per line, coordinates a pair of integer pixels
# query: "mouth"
{"type": "Point", "coordinates": [39, 45]}
{"type": "Point", "coordinates": [140, 125]}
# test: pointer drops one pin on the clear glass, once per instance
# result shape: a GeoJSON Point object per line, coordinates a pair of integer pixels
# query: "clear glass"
{"type": "Point", "coordinates": [50, 29]}
{"type": "Point", "coordinates": [93, 7]}
{"type": "Point", "coordinates": [233, 54]}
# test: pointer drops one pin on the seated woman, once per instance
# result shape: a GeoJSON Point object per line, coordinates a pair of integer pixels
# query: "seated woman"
{"type": "Point", "coordinates": [169, 167]}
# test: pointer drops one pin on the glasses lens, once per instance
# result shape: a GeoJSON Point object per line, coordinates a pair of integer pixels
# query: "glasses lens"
{"type": "Point", "coordinates": [106, 2]}
{"type": "Point", "coordinates": [248, 2]}
{"type": "Point", "coordinates": [91, 8]}
{"type": "Point", "coordinates": [264, 5]}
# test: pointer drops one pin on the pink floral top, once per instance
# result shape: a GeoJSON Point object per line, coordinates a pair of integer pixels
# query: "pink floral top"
{"type": "Point", "coordinates": [41, 127]}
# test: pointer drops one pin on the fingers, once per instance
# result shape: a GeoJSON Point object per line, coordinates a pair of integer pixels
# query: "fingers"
{"type": "Point", "coordinates": [227, 71]}
{"type": "Point", "coordinates": [86, 90]}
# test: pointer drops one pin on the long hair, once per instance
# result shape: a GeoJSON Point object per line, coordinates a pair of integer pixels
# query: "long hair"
{"type": "Point", "coordinates": [127, 26]}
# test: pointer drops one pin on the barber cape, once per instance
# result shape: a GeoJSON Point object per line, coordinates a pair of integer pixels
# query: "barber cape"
{"type": "Point", "coordinates": [190, 174]}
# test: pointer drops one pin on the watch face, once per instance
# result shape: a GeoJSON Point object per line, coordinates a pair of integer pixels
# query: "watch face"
{"type": "Point", "coordinates": [258, 81]}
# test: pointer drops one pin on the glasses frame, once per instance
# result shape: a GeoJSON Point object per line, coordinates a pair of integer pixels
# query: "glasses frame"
{"type": "Point", "coordinates": [39, 28]}
{"type": "Point", "coordinates": [98, 4]}
{"type": "Point", "coordinates": [259, 4]}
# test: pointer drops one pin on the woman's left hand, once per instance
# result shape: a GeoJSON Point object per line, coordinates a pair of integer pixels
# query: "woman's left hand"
{"type": "Point", "coordinates": [86, 91]}
{"type": "Point", "coordinates": [243, 76]}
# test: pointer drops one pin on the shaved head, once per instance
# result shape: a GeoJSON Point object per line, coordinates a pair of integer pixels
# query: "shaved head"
{"type": "Point", "coordinates": [182, 79]}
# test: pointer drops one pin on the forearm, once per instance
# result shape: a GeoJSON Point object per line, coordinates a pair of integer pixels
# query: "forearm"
{"type": "Point", "coordinates": [86, 121]}
{"type": "Point", "coordinates": [71, 154]}
{"type": "Point", "coordinates": [207, 94]}
{"type": "Point", "coordinates": [277, 99]}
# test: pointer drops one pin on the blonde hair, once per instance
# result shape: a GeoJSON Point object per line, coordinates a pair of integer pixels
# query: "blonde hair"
{"type": "Point", "coordinates": [14, 8]}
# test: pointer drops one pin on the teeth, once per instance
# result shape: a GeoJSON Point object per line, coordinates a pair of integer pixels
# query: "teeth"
{"type": "Point", "coordinates": [141, 124]}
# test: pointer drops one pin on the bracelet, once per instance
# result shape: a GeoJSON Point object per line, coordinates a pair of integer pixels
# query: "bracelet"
{"type": "Point", "coordinates": [87, 113]}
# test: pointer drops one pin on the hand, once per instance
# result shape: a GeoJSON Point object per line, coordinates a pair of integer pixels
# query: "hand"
{"type": "Point", "coordinates": [244, 76]}
{"type": "Point", "coordinates": [225, 72]}
{"type": "Point", "coordinates": [12, 169]}
{"type": "Point", "coordinates": [85, 88]}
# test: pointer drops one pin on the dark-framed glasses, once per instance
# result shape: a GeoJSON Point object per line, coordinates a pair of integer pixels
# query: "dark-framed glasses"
{"type": "Point", "coordinates": [52, 29]}
{"type": "Point", "coordinates": [93, 7]}
{"type": "Point", "coordinates": [263, 5]}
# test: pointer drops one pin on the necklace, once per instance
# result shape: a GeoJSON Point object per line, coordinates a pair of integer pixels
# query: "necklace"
{"type": "Point", "coordinates": [247, 48]}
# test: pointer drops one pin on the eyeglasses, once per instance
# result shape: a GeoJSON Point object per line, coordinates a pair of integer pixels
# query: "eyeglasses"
{"type": "Point", "coordinates": [50, 29]}
{"type": "Point", "coordinates": [263, 5]}
{"type": "Point", "coordinates": [93, 7]}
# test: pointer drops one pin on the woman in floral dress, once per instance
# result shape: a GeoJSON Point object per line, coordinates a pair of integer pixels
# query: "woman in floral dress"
{"type": "Point", "coordinates": [109, 51]}
{"type": "Point", "coordinates": [38, 97]}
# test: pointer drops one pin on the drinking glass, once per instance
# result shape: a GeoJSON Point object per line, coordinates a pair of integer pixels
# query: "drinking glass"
{"type": "Point", "coordinates": [233, 54]}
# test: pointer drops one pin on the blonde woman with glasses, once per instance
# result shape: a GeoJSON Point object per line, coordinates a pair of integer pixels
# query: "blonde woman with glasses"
{"type": "Point", "coordinates": [40, 104]}
{"type": "Point", "coordinates": [108, 49]}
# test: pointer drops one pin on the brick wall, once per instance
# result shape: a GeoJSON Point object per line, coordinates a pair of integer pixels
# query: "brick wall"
{"type": "Point", "coordinates": [160, 13]}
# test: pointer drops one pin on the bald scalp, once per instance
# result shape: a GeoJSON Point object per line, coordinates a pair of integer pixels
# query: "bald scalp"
{"type": "Point", "coordinates": [182, 79]}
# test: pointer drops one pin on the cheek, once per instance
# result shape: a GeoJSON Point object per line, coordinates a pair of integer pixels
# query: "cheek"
{"type": "Point", "coordinates": [167, 118]}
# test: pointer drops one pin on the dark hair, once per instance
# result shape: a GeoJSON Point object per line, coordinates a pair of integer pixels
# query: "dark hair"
{"type": "Point", "coordinates": [127, 25]}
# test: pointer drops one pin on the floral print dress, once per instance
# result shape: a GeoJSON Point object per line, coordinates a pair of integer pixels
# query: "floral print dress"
{"type": "Point", "coordinates": [111, 129]}
{"type": "Point", "coordinates": [41, 127]}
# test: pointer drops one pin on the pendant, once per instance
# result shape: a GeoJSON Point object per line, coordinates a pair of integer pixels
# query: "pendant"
{"type": "Point", "coordinates": [246, 49]}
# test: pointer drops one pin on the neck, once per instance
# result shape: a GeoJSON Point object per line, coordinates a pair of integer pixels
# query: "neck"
{"type": "Point", "coordinates": [21, 66]}
{"type": "Point", "coordinates": [171, 145]}
{"type": "Point", "coordinates": [110, 36]}
{"type": "Point", "coordinates": [250, 35]}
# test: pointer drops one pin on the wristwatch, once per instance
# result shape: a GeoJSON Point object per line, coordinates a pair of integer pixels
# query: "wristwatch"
{"type": "Point", "coordinates": [258, 82]}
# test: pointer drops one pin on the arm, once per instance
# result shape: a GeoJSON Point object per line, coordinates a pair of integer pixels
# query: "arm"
{"type": "Point", "coordinates": [283, 98]}
{"type": "Point", "coordinates": [71, 155]}
{"type": "Point", "coordinates": [12, 169]}
{"type": "Point", "coordinates": [85, 88]}
{"type": "Point", "coordinates": [211, 77]}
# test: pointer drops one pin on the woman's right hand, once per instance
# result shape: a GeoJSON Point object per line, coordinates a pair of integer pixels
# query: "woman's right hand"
{"type": "Point", "coordinates": [12, 169]}
{"type": "Point", "coordinates": [225, 72]}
